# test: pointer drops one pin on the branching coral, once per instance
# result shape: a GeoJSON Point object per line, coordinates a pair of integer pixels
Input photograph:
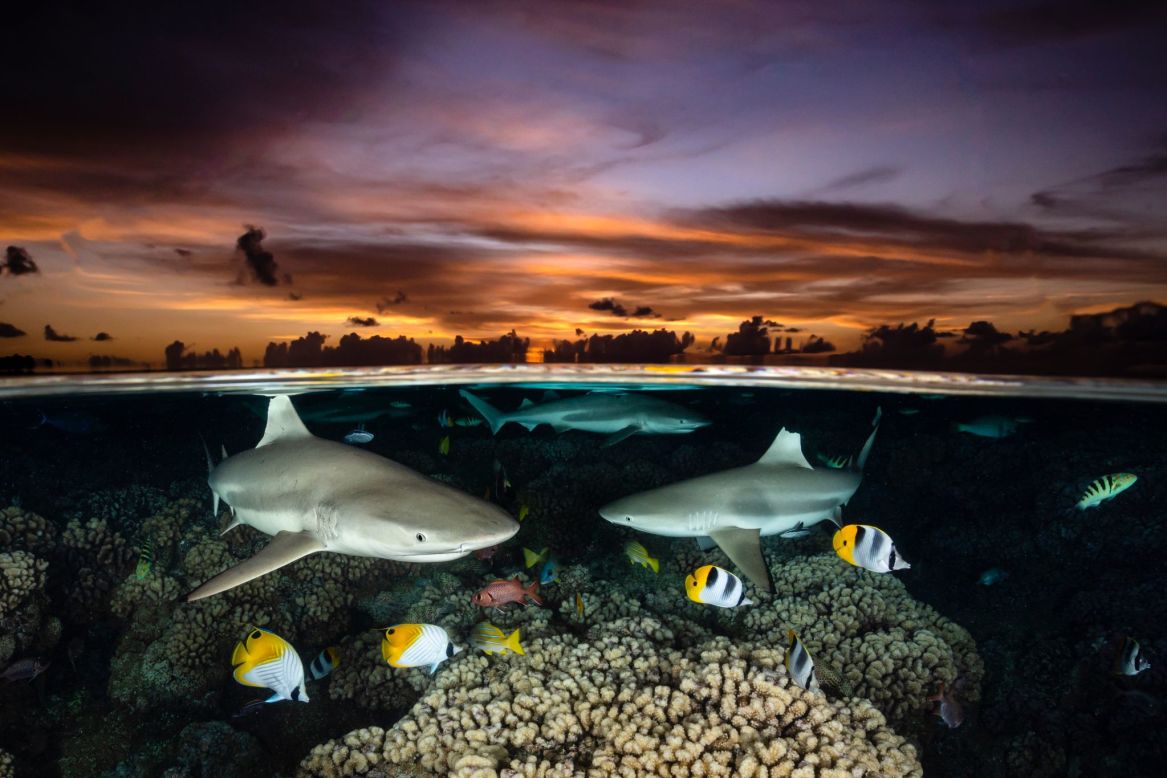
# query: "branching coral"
{"type": "Point", "coordinates": [625, 705]}
{"type": "Point", "coordinates": [23, 605]}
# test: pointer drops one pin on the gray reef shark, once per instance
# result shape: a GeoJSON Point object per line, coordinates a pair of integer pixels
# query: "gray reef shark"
{"type": "Point", "coordinates": [313, 495]}
{"type": "Point", "coordinates": [618, 415]}
{"type": "Point", "coordinates": [780, 494]}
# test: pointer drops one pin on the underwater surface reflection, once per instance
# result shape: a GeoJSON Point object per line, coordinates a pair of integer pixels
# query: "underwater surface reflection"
{"type": "Point", "coordinates": [614, 571]}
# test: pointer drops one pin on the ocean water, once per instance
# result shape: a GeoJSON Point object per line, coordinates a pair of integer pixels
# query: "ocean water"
{"type": "Point", "coordinates": [1017, 604]}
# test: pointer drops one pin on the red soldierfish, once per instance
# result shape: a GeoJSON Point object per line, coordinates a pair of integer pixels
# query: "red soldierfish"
{"type": "Point", "coordinates": [486, 553]}
{"type": "Point", "coordinates": [498, 593]}
{"type": "Point", "coordinates": [25, 669]}
{"type": "Point", "coordinates": [951, 712]}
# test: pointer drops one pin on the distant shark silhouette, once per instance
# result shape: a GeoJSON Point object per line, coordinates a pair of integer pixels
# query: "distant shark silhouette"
{"type": "Point", "coordinates": [617, 414]}
{"type": "Point", "coordinates": [780, 494]}
{"type": "Point", "coordinates": [313, 495]}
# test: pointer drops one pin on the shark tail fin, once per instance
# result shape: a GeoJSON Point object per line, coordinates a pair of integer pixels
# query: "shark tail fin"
{"type": "Point", "coordinates": [861, 460]}
{"type": "Point", "coordinates": [494, 417]}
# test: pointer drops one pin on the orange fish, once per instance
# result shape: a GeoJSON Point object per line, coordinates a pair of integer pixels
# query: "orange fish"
{"type": "Point", "coordinates": [498, 593]}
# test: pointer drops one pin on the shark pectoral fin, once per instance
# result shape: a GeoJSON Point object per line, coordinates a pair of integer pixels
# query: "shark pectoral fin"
{"type": "Point", "coordinates": [235, 522]}
{"type": "Point", "coordinates": [284, 548]}
{"type": "Point", "coordinates": [623, 434]}
{"type": "Point", "coordinates": [705, 543]}
{"type": "Point", "coordinates": [744, 549]}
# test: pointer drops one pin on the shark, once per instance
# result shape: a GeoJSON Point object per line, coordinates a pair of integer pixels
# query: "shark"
{"type": "Point", "coordinates": [618, 415]}
{"type": "Point", "coordinates": [779, 494]}
{"type": "Point", "coordinates": [313, 495]}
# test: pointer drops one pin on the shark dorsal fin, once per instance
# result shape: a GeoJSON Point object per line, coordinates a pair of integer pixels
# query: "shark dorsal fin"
{"type": "Point", "coordinates": [283, 423]}
{"type": "Point", "coordinates": [526, 403]}
{"type": "Point", "coordinates": [786, 450]}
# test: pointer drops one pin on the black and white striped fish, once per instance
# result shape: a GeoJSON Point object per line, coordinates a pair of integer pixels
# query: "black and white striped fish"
{"type": "Point", "coordinates": [868, 547]}
{"type": "Point", "coordinates": [1106, 488]}
{"type": "Point", "coordinates": [324, 663]}
{"type": "Point", "coordinates": [1130, 659]}
{"type": "Point", "coordinates": [712, 585]}
{"type": "Point", "coordinates": [799, 664]}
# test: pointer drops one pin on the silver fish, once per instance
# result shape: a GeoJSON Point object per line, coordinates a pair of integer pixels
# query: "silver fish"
{"type": "Point", "coordinates": [25, 669]}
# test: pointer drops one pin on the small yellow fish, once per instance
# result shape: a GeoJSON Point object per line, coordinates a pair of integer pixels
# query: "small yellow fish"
{"type": "Point", "coordinates": [267, 661]}
{"type": "Point", "coordinates": [524, 509]}
{"type": "Point", "coordinates": [491, 640]}
{"type": "Point", "coordinates": [145, 560]}
{"type": "Point", "coordinates": [1106, 488]}
{"type": "Point", "coordinates": [417, 645]}
{"type": "Point", "coordinates": [444, 446]}
{"type": "Point", "coordinates": [532, 558]}
{"type": "Point", "coordinates": [638, 555]}
{"type": "Point", "coordinates": [579, 604]}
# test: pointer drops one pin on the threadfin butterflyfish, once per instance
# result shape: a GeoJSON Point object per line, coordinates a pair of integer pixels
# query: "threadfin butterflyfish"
{"type": "Point", "coordinates": [868, 547]}
{"type": "Point", "coordinates": [1130, 660]}
{"type": "Point", "coordinates": [491, 640]}
{"type": "Point", "coordinates": [711, 585]}
{"type": "Point", "coordinates": [799, 664]}
{"type": "Point", "coordinates": [638, 555]}
{"type": "Point", "coordinates": [324, 663]}
{"type": "Point", "coordinates": [417, 645]}
{"type": "Point", "coordinates": [267, 661]}
{"type": "Point", "coordinates": [1106, 488]}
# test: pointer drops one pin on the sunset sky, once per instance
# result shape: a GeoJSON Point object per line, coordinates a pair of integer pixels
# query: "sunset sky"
{"type": "Point", "coordinates": [468, 168]}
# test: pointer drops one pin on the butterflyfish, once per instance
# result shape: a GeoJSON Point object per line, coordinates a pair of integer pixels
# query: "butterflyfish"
{"type": "Point", "coordinates": [324, 663]}
{"type": "Point", "coordinates": [638, 555]}
{"type": "Point", "coordinates": [711, 585]}
{"type": "Point", "coordinates": [1131, 660]}
{"type": "Point", "coordinates": [417, 645]}
{"type": "Point", "coordinates": [491, 640]}
{"type": "Point", "coordinates": [1106, 488]}
{"type": "Point", "coordinates": [799, 664]}
{"type": "Point", "coordinates": [267, 661]}
{"type": "Point", "coordinates": [868, 547]}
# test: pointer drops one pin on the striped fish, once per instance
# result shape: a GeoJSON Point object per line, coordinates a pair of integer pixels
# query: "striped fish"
{"type": "Point", "coordinates": [1130, 659]}
{"type": "Point", "coordinates": [638, 555]}
{"type": "Point", "coordinates": [868, 547]}
{"type": "Point", "coordinates": [1106, 488]}
{"type": "Point", "coordinates": [267, 661]}
{"type": "Point", "coordinates": [324, 663]}
{"type": "Point", "coordinates": [799, 664]}
{"type": "Point", "coordinates": [491, 640]}
{"type": "Point", "coordinates": [417, 645]}
{"type": "Point", "coordinates": [712, 585]}
{"type": "Point", "coordinates": [145, 559]}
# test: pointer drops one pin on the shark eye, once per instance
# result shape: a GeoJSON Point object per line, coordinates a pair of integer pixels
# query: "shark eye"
{"type": "Point", "coordinates": [627, 518]}
{"type": "Point", "coordinates": [420, 537]}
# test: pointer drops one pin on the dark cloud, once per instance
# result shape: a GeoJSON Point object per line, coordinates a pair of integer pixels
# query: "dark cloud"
{"type": "Point", "coordinates": [385, 303]}
{"type": "Point", "coordinates": [295, 296]}
{"type": "Point", "coordinates": [18, 262]}
{"type": "Point", "coordinates": [106, 361]}
{"type": "Point", "coordinates": [184, 253]}
{"type": "Point", "coordinates": [817, 345]}
{"type": "Point", "coordinates": [261, 261]}
{"type": "Point", "coordinates": [10, 331]}
{"type": "Point", "coordinates": [351, 351]}
{"type": "Point", "coordinates": [361, 321]}
{"type": "Point", "coordinates": [617, 309]}
{"type": "Point", "coordinates": [636, 346]}
{"type": "Point", "coordinates": [179, 356]}
{"type": "Point", "coordinates": [1125, 193]}
{"type": "Point", "coordinates": [751, 338]}
{"type": "Point", "coordinates": [1054, 20]}
{"type": "Point", "coordinates": [56, 337]}
{"type": "Point", "coordinates": [874, 175]}
{"type": "Point", "coordinates": [507, 348]}
{"type": "Point", "coordinates": [103, 336]}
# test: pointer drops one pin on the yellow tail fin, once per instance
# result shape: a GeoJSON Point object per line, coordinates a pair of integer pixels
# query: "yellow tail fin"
{"type": "Point", "coordinates": [531, 558]}
{"type": "Point", "coordinates": [654, 563]}
{"type": "Point", "coordinates": [513, 643]}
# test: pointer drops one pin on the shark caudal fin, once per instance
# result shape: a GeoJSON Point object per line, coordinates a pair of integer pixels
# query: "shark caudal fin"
{"type": "Point", "coordinates": [861, 460]}
{"type": "Point", "coordinates": [284, 548]}
{"type": "Point", "coordinates": [494, 417]}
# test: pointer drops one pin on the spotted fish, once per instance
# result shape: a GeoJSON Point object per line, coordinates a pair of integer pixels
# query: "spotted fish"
{"type": "Point", "coordinates": [868, 547]}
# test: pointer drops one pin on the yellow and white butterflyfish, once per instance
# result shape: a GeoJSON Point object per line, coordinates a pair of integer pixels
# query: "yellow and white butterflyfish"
{"type": "Point", "coordinates": [868, 547]}
{"type": "Point", "coordinates": [491, 640]}
{"type": "Point", "coordinates": [711, 585]}
{"type": "Point", "coordinates": [1106, 488]}
{"type": "Point", "coordinates": [638, 555]}
{"type": "Point", "coordinates": [267, 661]}
{"type": "Point", "coordinates": [417, 645]}
{"type": "Point", "coordinates": [799, 664]}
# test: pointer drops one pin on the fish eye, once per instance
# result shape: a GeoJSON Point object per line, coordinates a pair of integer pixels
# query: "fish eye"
{"type": "Point", "coordinates": [256, 635]}
{"type": "Point", "coordinates": [421, 537]}
{"type": "Point", "coordinates": [389, 631]}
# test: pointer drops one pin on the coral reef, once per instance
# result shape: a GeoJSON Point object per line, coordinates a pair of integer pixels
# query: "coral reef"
{"type": "Point", "coordinates": [627, 704]}
{"type": "Point", "coordinates": [24, 621]}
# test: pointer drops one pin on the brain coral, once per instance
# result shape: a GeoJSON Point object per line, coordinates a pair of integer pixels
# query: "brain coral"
{"type": "Point", "coordinates": [628, 705]}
